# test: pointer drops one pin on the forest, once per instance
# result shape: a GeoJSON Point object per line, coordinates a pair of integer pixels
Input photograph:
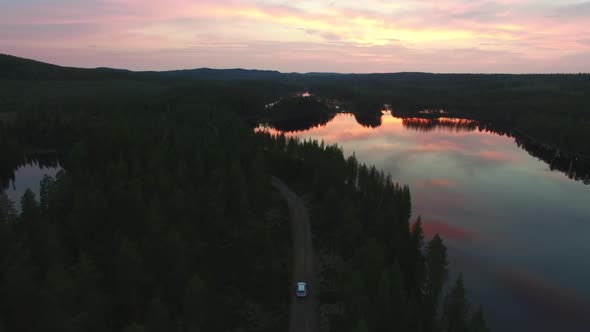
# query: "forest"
{"type": "Point", "coordinates": [163, 217]}
{"type": "Point", "coordinates": [160, 221]}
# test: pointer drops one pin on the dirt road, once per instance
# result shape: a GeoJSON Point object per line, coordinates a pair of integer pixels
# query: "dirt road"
{"type": "Point", "coordinates": [304, 311]}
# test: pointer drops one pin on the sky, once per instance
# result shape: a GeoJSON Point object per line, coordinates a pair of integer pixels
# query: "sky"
{"type": "Point", "coordinates": [507, 36]}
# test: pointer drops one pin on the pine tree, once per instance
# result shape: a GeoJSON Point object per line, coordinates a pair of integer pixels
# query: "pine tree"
{"type": "Point", "coordinates": [57, 294]}
{"type": "Point", "coordinates": [89, 301]}
{"type": "Point", "coordinates": [477, 323]}
{"type": "Point", "coordinates": [134, 327]}
{"type": "Point", "coordinates": [19, 291]}
{"type": "Point", "coordinates": [29, 208]}
{"type": "Point", "coordinates": [361, 326]}
{"type": "Point", "coordinates": [158, 318]}
{"type": "Point", "coordinates": [456, 309]}
{"type": "Point", "coordinates": [7, 210]}
{"type": "Point", "coordinates": [195, 302]}
{"type": "Point", "coordinates": [127, 274]}
{"type": "Point", "coordinates": [398, 298]}
{"type": "Point", "coordinates": [385, 302]}
{"type": "Point", "coordinates": [436, 275]}
{"type": "Point", "coordinates": [47, 186]}
{"type": "Point", "coordinates": [414, 265]}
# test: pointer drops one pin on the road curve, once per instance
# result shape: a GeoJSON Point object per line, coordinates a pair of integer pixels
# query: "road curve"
{"type": "Point", "coordinates": [304, 311]}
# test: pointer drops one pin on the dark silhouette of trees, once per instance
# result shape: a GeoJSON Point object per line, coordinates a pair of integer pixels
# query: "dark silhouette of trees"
{"type": "Point", "coordinates": [297, 113]}
{"type": "Point", "coordinates": [373, 264]}
{"type": "Point", "coordinates": [456, 309]}
{"type": "Point", "coordinates": [477, 322]}
{"type": "Point", "coordinates": [159, 221]}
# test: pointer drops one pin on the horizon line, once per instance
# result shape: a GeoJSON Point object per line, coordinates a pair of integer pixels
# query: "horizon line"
{"type": "Point", "coordinates": [295, 72]}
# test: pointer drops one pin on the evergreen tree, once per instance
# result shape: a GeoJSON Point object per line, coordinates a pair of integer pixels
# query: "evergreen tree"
{"type": "Point", "coordinates": [477, 322]}
{"type": "Point", "coordinates": [127, 276]}
{"type": "Point", "coordinates": [414, 269]}
{"type": "Point", "coordinates": [195, 302]}
{"type": "Point", "coordinates": [89, 301]}
{"type": "Point", "coordinates": [134, 327]}
{"type": "Point", "coordinates": [436, 275]}
{"type": "Point", "coordinates": [7, 210]}
{"type": "Point", "coordinates": [361, 326]}
{"type": "Point", "coordinates": [456, 309]}
{"type": "Point", "coordinates": [398, 297]}
{"type": "Point", "coordinates": [47, 185]}
{"type": "Point", "coordinates": [57, 294]}
{"type": "Point", "coordinates": [385, 301]}
{"type": "Point", "coordinates": [29, 208]}
{"type": "Point", "coordinates": [19, 291]}
{"type": "Point", "coordinates": [158, 317]}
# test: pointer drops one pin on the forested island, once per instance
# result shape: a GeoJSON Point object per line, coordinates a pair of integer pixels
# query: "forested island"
{"type": "Point", "coordinates": [164, 218]}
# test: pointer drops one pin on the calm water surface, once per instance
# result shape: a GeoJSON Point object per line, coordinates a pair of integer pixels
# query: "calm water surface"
{"type": "Point", "coordinates": [519, 232]}
{"type": "Point", "coordinates": [26, 177]}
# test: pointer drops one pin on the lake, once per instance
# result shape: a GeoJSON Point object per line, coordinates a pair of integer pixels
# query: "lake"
{"type": "Point", "coordinates": [28, 176]}
{"type": "Point", "coordinates": [517, 230]}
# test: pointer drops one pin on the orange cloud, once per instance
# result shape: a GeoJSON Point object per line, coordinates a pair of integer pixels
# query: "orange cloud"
{"type": "Point", "coordinates": [348, 36]}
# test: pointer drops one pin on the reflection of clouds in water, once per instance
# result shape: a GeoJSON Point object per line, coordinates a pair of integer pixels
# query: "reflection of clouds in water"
{"type": "Point", "coordinates": [447, 231]}
{"type": "Point", "coordinates": [516, 300]}
{"type": "Point", "coordinates": [559, 305]}
{"type": "Point", "coordinates": [441, 199]}
{"type": "Point", "coordinates": [463, 151]}
{"type": "Point", "coordinates": [437, 182]}
{"type": "Point", "coordinates": [485, 195]}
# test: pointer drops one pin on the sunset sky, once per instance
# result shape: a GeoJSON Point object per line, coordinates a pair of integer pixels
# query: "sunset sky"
{"type": "Point", "coordinates": [512, 36]}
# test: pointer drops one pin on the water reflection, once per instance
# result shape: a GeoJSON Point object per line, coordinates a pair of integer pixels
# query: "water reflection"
{"type": "Point", "coordinates": [452, 124]}
{"type": "Point", "coordinates": [368, 120]}
{"type": "Point", "coordinates": [575, 167]}
{"type": "Point", "coordinates": [300, 123]}
{"type": "Point", "coordinates": [503, 213]}
{"type": "Point", "coordinates": [27, 172]}
{"type": "Point", "coordinates": [39, 160]}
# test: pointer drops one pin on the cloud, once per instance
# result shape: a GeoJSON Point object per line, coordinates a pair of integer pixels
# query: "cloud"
{"type": "Point", "coordinates": [567, 309]}
{"type": "Point", "coordinates": [447, 231]}
{"type": "Point", "coordinates": [347, 36]}
{"type": "Point", "coordinates": [581, 9]}
{"type": "Point", "coordinates": [437, 182]}
{"type": "Point", "coordinates": [497, 156]}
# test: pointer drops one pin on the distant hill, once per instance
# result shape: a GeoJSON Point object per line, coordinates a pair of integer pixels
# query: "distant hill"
{"type": "Point", "coordinates": [208, 73]}
{"type": "Point", "coordinates": [15, 68]}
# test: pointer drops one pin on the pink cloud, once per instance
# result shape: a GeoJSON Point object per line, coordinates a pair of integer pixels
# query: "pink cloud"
{"type": "Point", "coordinates": [440, 36]}
{"type": "Point", "coordinates": [548, 299]}
{"type": "Point", "coordinates": [443, 183]}
{"type": "Point", "coordinates": [447, 231]}
{"type": "Point", "coordinates": [491, 155]}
